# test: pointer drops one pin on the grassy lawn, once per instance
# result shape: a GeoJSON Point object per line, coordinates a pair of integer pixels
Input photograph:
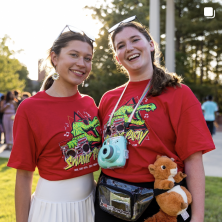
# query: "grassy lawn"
{"type": "Point", "coordinates": [213, 203]}
{"type": "Point", "coordinates": [213, 200]}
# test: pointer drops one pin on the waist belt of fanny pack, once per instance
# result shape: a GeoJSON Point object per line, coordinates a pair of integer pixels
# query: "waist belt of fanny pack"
{"type": "Point", "coordinates": [122, 200]}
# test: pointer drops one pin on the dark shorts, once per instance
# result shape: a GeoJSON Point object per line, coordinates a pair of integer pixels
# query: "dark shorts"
{"type": "Point", "coordinates": [210, 125]}
{"type": "Point", "coordinates": [153, 208]}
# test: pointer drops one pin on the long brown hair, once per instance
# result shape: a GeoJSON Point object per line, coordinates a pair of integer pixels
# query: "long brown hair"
{"type": "Point", "coordinates": [8, 96]}
{"type": "Point", "coordinates": [161, 78]}
{"type": "Point", "coordinates": [60, 43]}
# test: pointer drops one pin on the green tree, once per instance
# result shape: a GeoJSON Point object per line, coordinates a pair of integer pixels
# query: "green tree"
{"type": "Point", "coordinates": [30, 85]}
{"type": "Point", "coordinates": [198, 40]}
{"type": "Point", "coordinates": [198, 44]}
{"type": "Point", "coordinates": [23, 73]}
{"type": "Point", "coordinates": [9, 69]}
{"type": "Point", "coordinates": [105, 75]}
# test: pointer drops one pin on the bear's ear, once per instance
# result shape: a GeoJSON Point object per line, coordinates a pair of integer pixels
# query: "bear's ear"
{"type": "Point", "coordinates": [151, 168]}
{"type": "Point", "coordinates": [158, 156]}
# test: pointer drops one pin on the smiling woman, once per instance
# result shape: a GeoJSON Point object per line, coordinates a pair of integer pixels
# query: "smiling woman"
{"type": "Point", "coordinates": [72, 65]}
{"type": "Point", "coordinates": [60, 137]}
{"type": "Point", "coordinates": [138, 59]}
{"type": "Point", "coordinates": [71, 56]}
{"type": "Point", "coordinates": [157, 115]}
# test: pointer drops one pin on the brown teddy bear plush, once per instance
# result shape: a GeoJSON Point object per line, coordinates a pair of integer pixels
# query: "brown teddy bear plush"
{"type": "Point", "coordinates": [175, 199]}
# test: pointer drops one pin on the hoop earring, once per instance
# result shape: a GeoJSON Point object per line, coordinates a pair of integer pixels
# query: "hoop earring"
{"type": "Point", "coordinates": [55, 76]}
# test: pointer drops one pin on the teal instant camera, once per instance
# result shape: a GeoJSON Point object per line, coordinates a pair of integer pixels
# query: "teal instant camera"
{"type": "Point", "coordinates": [113, 153]}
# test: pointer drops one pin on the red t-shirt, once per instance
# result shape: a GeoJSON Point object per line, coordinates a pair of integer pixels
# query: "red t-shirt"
{"type": "Point", "coordinates": [59, 135]}
{"type": "Point", "coordinates": [171, 124]}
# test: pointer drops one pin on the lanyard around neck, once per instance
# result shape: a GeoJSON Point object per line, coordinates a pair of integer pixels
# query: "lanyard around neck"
{"type": "Point", "coordinates": [131, 116]}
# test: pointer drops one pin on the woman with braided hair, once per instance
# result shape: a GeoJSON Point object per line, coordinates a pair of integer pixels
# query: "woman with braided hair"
{"type": "Point", "coordinates": [168, 121]}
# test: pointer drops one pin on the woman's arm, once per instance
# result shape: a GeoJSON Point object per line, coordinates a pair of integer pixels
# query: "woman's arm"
{"type": "Point", "coordinates": [196, 185]}
{"type": "Point", "coordinates": [4, 107]}
{"type": "Point", "coordinates": [23, 189]}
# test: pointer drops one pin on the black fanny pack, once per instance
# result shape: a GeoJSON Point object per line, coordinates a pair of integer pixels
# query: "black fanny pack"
{"type": "Point", "coordinates": [123, 200]}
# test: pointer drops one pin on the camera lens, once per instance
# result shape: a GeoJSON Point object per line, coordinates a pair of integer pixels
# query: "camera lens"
{"type": "Point", "coordinates": [111, 151]}
{"type": "Point", "coordinates": [104, 151]}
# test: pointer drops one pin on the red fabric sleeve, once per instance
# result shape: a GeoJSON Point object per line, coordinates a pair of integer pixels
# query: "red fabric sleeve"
{"type": "Point", "coordinates": [23, 155]}
{"type": "Point", "coordinates": [192, 133]}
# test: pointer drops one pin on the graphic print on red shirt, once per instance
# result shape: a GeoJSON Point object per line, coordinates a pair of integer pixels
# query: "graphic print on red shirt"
{"type": "Point", "coordinates": [170, 124]}
{"type": "Point", "coordinates": [58, 135]}
{"type": "Point", "coordinates": [138, 129]}
{"type": "Point", "coordinates": [84, 143]}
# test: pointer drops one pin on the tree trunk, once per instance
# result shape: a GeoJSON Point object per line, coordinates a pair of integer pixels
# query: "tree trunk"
{"type": "Point", "coordinates": [195, 68]}
{"type": "Point", "coordinates": [201, 63]}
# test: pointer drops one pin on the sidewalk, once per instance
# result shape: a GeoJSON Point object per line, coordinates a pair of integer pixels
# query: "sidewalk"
{"type": "Point", "coordinates": [4, 153]}
{"type": "Point", "coordinates": [212, 161]}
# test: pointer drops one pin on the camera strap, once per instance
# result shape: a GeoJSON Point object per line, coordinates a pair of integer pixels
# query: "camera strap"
{"type": "Point", "coordinates": [131, 116]}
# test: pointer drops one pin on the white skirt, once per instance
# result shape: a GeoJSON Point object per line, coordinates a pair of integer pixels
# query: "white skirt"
{"type": "Point", "coordinates": [69, 200]}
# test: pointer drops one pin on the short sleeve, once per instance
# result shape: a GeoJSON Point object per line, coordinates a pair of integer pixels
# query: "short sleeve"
{"type": "Point", "coordinates": [193, 134]}
{"type": "Point", "coordinates": [23, 155]}
{"type": "Point", "coordinates": [203, 106]}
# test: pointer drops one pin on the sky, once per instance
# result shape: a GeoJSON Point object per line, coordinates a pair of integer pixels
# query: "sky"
{"type": "Point", "coordinates": [33, 25]}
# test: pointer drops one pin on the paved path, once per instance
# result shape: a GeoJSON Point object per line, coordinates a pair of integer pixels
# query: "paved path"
{"type": "Point", "coordinates": [212, 160]}
{"type": "Point", "coordinates": [4, 153]}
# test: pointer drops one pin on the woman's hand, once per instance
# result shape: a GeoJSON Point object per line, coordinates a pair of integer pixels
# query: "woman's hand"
{"type": "Point", "coordinates": [6, 106]}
